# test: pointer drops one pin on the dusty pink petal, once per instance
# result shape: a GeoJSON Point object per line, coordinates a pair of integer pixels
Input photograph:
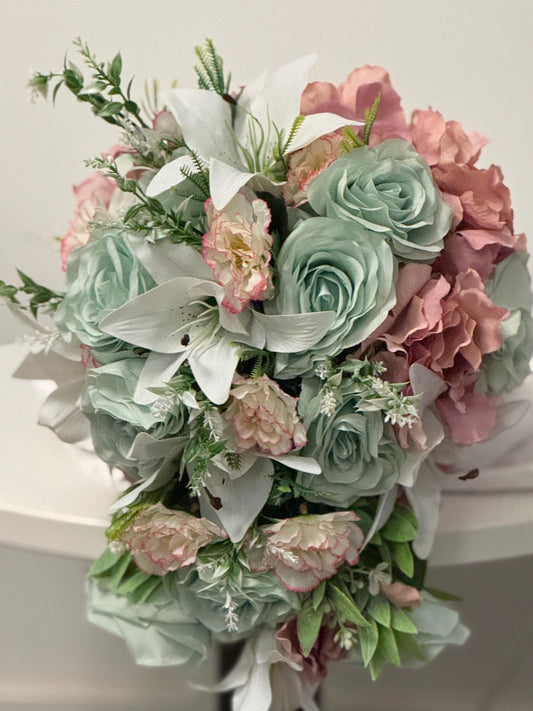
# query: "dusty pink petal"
{"type": "Point", "coordinates": [459, 254]}
{"type": "Point", "coordinates": [401, 595]}
{"type": "Point", "coordinates": [325, 650]}
{"type": "Point", "coordinates": [470, 421]}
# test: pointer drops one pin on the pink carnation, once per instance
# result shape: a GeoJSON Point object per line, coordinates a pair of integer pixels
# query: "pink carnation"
{"type": "Point", "coordinates": [264, 417]}
{"type": "Point", "coordinates": [92, 195]}
{"type": "Point", "coordinates": [237, 248]}
{"type": "Point", "coordinates": [305, 550]}
{"type": "Point", "coordinates": [354, 96]}
{"type": "Point", "coordinates": [325, 650]}
{"type": "Point", "coordinates": [162, 539]}
{"type": "Point", "coordinates": [444, 143]}
{"type": "Point", "coordinates": [307, 163]}
{"type": "Point", "coordinates": [448, 329]}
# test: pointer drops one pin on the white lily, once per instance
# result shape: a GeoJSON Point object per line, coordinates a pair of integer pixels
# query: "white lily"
{"type": "Point", "coordinates": [237, 148]}
{"type": "Point", "coordinates": [178, 321]}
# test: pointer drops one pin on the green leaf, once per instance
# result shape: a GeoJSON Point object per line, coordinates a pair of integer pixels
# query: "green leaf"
{"type": "Point", "coordinates": [403, 557]}
{"type": "Point", "coordinates": [103, 564]}
{"type": "Point", "coordinates": [347, 607]}
{"type": "Point", "coordinates": [318, 594]}
{"type": "Point", "coordinates": [443, 595]}
{"type": "Point", "coordinates": [379, 609]}
{"type": "Point", "coordinates": [133, 582]}
{"type": "Point", "coordinates": [110, 108]}
{"type": "Point", "coordinates": [368, 639]}
{"type": "Point", "coordinates": [120, 571]}
{"type": "Point", "coordinates": [132, 212]}
{"type": "Point", "coordinates": [308, 627]}
{"type": "Point", "coordinates": [387, 646]}
{"type": "Point", "coordinates": [409, 648]}
{"type": "Point", "coordinates": [132, 107]}
{"type": "Point", "coordinates": [402, 622]}
{"type": "Point", "coordinates": [115, 69]}
{"type": "Point", "coordinates": [73, 81]}
{"type": "Point", "coordinates": [143, 592]}
{"type": "Point", "coordinates": [401, 526]}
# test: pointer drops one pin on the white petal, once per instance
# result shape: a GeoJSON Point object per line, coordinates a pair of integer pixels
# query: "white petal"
{"type": "Point", "coordinates": [317, 125]}
{"type": "Point", "coordinates": [225, 181]}
{"type": "Point", "coordinates": [205, 119]}
{"type": "Point", "coordinates": [166, 260]}
{"type": "Point", "coordinates": [170, 175]}
{"type": "Point", "coordinates": [157, 371]}
{"type": "Point", "coordinates": [309, 465]}
{"type": "Point", "coordinates": [146, 447]}
{"type": "Point", "coordinates": [62, 414]}
{"type": "Point", "coordinates": [425, 498]}
{"type": "Point", "coordinates": [213, 365]}
{"type": "Point", "coordinates": [152, 319]}
{"type": "Point", "coordinates": [383, 511]}
{"type": "Point", "coordinates": [50, 366]}
{"type": "Point", "coordinates": [242, 499]}
{"type": "Point", "coordinates": [290, 333]}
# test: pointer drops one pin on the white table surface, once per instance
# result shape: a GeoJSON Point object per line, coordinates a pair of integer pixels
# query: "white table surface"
{"type": "Point", "coordinates": [54, 497]}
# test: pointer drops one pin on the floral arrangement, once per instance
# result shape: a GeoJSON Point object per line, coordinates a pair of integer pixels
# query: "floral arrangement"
{"type": "Point", "coordinates": [289, 310]}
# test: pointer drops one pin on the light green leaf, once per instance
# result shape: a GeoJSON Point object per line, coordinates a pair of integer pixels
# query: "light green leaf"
{"type": "Point", "coordinates": [115, 69]}
{"type": "Point", "coordinates": [347, 607]}
{"type": "Point", "coordinates": [104, 563]}
{"type": "Point", "coordinates": [402, 622]}
{"type": "Point", "coordinates": [387, 646]}
{"type": "Point", "coordinates": [318, 594]}
{"type": "Point", "coordinates": [112, 108]}
{"type": "Point", "coordinates": [403, 557]}
{"type": "Point", "coordinates": [308, 627]}
{"type": "Point", "coordinates": [143, 592]}
{"type": "Point", "coordinates": [132, 583]}
{"type": "Point", "coordinates": [379, 608]}
{"type": "Point", "coordinates": [401, 526]}
{"type": "Point", "coordinates": [120, 571]}
{"type": "Point", "coordinates": [409, 647]}
{"type": "Point", "coordinates": [368, 638]}
{"type": "Point", "coordinates": [443, 595]}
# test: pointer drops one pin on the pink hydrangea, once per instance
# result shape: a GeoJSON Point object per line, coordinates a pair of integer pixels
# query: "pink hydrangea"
{"type": "Point", "coordinates": [92, 195]}
{"type": "Point", "coordinates": [305, 550]}
{"type": "Point", "coordinates": [237, 248]}
{"type": "Point", "coordinates": [162, 539]}
{"type": "Point", "coordinates": [264, 417]}
{"type": "Point", "coordinates": [324, 651]}
{"type": "Point", "coordinates": [307, 163]}
{"type": "Point", "coordinates": [448, 328]}
{"type": "Point", "coordinates": [354, 96]}
{"type": "Point", "coordinates": [444, 143]}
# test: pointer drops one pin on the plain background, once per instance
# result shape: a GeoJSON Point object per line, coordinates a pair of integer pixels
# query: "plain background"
{"type": "Point", "coordinates": [472, 60]}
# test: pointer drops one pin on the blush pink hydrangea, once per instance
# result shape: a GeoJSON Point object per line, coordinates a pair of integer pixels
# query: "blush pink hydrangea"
{"type": "Point", "coordinates": [264, 417]}
{"type": "Point", "coordinates": [237, 248]}
{"type": "Point", "coordinates": [92, 195]}
{"type": "Point", "coordinates": [305, 550]}
{"type": "Point", "coordinates": [307, 163]}
{"type": "Point", "coordinates": [162, 539]}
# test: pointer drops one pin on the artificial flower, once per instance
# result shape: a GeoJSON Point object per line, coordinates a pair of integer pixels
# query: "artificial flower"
{"type": "Point", "coordinates": [307, 163]}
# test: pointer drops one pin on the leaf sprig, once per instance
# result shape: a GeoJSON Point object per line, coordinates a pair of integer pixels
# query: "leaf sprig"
{"type": "Point", "coordinates": [40, 296]}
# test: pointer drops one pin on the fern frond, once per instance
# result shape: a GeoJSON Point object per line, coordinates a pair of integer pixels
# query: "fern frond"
{"type": "Point", "coordinates": [350, 139]}
{"type": "Point", "coordinates": [370, 117]}
{"type": "Point", "coordinates": [292, 133]}
{"type": "Point", "coordinates": [210, 70]}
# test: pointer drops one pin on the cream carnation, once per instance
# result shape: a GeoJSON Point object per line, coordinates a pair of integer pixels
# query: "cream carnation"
{"type": "Point", "coordinates": [264, 417]}
{"type": "Point", "coordinates": [307, 163]}
{"type": "Point", "coordinates": [237, 248]}
{"type": "Point", "coordinates": [305, 550]}
{"type": "Point", "coordinates": [162, 540]}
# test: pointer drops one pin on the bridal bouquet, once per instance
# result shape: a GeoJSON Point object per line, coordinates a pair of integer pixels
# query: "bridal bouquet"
{"type": "Point", "coordinates": [289, 313]}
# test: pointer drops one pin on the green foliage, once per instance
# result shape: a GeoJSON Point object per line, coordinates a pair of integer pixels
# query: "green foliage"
{"type": "Point", "coordinates": [401, 526]}
{"type": "Point", "coordinates": [402, 556]}
{"type": "Point", "coordinates": [380, 610]}
{"type": "Point", "coordinates": [40, 296]}
{"type": "Point", "coordinates": [203, 444]}
{"type": "Point", "coordinates": [210, 69]}
{"type": "Point", "coordinates": [123, 519]}
{"type": "Point", "coordinates": [345, 605]}
{"type": "Point", "coordinates": [370, 117]}
{"type": "Point", "coordinates": [123, 576]}
{"type": "Point", "coordinates": [443, 595]}
{"type": "Point", "coordinates": [350, 139]}
{"type": "Point", "coordinates": [308, 626]}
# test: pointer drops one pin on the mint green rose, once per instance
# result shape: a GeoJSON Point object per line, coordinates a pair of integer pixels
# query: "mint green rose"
{"type": "Point", "coordinates": [357, 452]}
{"type": "Point", "coordinates": [508, 367]}
{"type": "Point", "coordinates": [388, 190]}
{"type": "Point", "coordinates": [102, 275]}
{"type": "Point", "coordinates": [116, 418]}
{"type": "Point", "coordinates": [334, 265]}
{"type": "Point", "coordinates": [157, 633]}
{"type": "Point", "coordinates": [231, 605]}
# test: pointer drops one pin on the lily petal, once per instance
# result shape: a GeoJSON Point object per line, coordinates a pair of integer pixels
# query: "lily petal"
{"type": "Point", "coordinates": [170, 175]}
{"type": "Point", "coordinates": [158, 370]}
{"type": "Point", "coordinates": [225, 181]}
{"type": "Point", "coordinates": [166, 260]}
{"type": "Point", "coordinates": [290, 333]}
{"type": "Point", "coordinates": [213, 366]}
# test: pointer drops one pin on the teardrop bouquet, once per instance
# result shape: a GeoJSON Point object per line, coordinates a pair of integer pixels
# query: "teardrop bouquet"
{"type": "Point", "coordinates": [289, 311]}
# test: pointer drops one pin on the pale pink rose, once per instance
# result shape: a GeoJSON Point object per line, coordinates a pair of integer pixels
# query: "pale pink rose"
{"type": "Point", "coordinates": [448, 328]}
{"type": "Point", "coordinates": [305, 550]}
{"type": "Point", "coordinates": [264, 417]}
{"type": "Point", "coordinates": [325, 650]}
{"type": "Point", "coordinates": [162, 539]}
{"type": "Point", "coordinates": [307, 163]}
{"type": "Point", "coordinates": [354, 96]}
{"type": "Point", "coordinates": [401, 595]}
{"type": "Point", "coordinates": [92, 195]}
{"type": "Point", "coordinates": [237, 248]}
{"type": "Point", "coordinates": [444, 143]}
{"type": "Point", "coordinates": [484, 199]}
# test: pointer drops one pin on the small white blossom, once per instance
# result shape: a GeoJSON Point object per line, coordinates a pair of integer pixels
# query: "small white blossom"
{"type": "Point", "coordinates": [328, 403]}
{"type": "Point", "coordinates": [378, 577]}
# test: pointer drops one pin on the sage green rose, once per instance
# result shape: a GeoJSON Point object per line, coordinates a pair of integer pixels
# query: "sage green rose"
{"type": "Point", "coordinates": [388, 190]}
{"type": "Point", "coordinates": [102, 275]}
{"type": "Point", "coordinates": [157, 633]}
{"type": "Point", "coordinates": [508, 367]}
{"type": "Point", "coordinates": [232, 610]}
{"type": "Point", "coordinates": [357, 452]}
{"type": "Point", "coordinates": [116, 418]}
{"type": "Point", "coordinates": [334, 265]}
